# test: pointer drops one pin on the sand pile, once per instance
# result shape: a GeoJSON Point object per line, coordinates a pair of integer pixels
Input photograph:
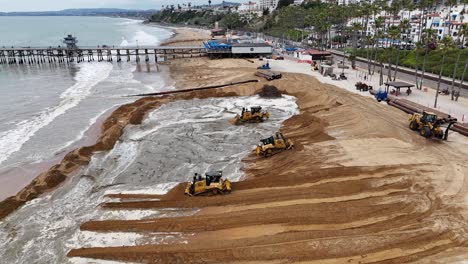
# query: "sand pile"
{"type": "Point", "coordinates": [359, 187]}
{"type": "Point", "coordinates": [269, 91]}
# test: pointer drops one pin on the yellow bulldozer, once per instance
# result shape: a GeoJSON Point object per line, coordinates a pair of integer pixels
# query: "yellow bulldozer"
{"type": "Point", "coordinates": [211, 184]}
{"type": "Point", "coordinates": [255, 115]}
{"type": "Point", "coordinates": [429, 125]}
{"type": "Point", "coordinates": [274, 144]}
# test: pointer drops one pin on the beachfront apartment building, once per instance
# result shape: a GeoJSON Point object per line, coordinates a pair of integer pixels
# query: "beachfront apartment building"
{"type": "Point", "coordinates": [444, 20]}
{"type": "Point", "coordinates": [250, 8]}
{"type": "Point", "coordinates": [268, 4]}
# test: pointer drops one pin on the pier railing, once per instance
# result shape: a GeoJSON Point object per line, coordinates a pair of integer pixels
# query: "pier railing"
{"type": "Point", "coordinates": [38, 55]}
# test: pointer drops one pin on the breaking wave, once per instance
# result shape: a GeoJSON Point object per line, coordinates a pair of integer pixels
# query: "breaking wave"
{"type": "Point", "coordinates": [86, 78]}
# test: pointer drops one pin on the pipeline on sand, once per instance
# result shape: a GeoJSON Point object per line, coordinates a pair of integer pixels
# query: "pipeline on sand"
{"type": "Point", "coordinates": [195, 89]}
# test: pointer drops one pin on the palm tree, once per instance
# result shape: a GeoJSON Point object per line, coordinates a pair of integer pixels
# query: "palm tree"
{"type": "Point", "coordinates": [404, 27]}
{"type": "Point", "coordinates": [355, 28]}
{"type": "Point", "coordinates": [378, 24]}
{"type": "Point", "coordinates": [373, 40]}
{"type": "Point", "coordinates": [423, 5]}
{"type": "Point", "coordinates": [428, 39]}
{"type": "Point", "coordinates": [416, 66]}
{"type": "Point", "coordinates": [447, 43]}
{"type": "Point", "coordinates": [463, 32]}
{"type": "Point", "coordinates": [393, 32]}
{"type": "Point", "coordinates": [209, 3]}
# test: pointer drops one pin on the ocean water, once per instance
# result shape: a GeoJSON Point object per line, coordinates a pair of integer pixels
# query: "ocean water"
{"type": "Point", "coordinates": [46, 110]}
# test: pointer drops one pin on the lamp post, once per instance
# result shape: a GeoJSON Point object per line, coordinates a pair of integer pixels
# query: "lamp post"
{"type": "Point", "coordinates": [342, 62]}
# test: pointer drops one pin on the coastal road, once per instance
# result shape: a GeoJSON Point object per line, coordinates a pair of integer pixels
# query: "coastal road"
{"type": "Point", "coordinates": [407, 77]}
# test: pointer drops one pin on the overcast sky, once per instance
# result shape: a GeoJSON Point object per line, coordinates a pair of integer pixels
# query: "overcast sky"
{"type": "Point", "coordinates": [53, 5]}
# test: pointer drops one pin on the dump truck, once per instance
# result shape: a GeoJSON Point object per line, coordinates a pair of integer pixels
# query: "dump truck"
{"type": "Point", "coordinates": [429, 125]}
{"type": "Point", "coordinates": [274, 144]}
{"type": "Point", "coordinates": [255, 115]}
{"type": "Point", "coordinates": [211, 184]}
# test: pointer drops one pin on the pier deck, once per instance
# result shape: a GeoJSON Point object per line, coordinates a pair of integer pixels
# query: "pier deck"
{"type": "Point", "coordinates": [33, 55]}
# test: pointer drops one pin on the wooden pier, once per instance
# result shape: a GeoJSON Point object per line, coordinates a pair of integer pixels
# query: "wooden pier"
{"type": "Point", "coordinates": [41, 55]}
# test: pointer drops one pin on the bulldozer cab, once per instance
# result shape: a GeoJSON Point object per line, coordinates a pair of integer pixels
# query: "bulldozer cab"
{"type": "Point", "coordinates": [255, 109]}
{"type": "Point", "coordinates": [267, 141]}
{"type": "Point", "coordinates": [213, 177]}
{"type": "Point", "coordinates": [428, 117]}
{"type": "Point", "coordinates": [277, 140]}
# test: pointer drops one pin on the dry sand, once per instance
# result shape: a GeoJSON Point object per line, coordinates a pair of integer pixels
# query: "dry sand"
{"type": "Point", "coordinates": [360, 187]}
{"type": "Point", "coordinates": [187, 36]}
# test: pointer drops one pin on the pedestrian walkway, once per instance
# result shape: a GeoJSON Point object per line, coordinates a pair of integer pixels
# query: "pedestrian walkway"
{"type": "Point", "coordinates": [426, 97]}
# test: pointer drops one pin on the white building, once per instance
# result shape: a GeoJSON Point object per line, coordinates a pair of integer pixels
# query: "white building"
{"type": "Point", "coordinates": [298, 2]}
{"type": "Point", "coordinates": [250, 8]}
{"type": "Point", "coordinates": [268, 4]}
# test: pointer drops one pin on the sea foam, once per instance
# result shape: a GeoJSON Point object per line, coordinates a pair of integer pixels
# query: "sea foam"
{"type": "Point", "coordinates": [87, 77]}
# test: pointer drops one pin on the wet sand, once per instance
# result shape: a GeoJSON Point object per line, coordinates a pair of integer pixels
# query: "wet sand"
{"type": "Point", "coordinates": [359, 187]}
{"type": "Point", "coordinates": [17, 177]}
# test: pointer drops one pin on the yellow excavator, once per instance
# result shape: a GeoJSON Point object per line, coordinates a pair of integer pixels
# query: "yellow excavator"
{"type": "Point", "coordinates": [274, 144]}
{"type": "Point", "coordinates": [212, 183]}
{"type": "Point", "coordinates": [255, 115]}
{"type": "Point", "coordinates": [429, 125]}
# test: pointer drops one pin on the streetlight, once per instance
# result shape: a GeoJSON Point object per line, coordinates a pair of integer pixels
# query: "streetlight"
{"type": "Point", "coordinates": [137, 43]}
{"type": "Point", "coordinates": [342, 62]}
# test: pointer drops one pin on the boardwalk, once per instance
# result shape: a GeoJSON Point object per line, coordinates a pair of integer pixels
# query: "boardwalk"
{"type": "Point", "coordinates": [39, 55]}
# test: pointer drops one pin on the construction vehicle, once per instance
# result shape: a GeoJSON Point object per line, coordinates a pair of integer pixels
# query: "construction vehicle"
{"type": "Point", "coordinates": [274, 144]}
{"type": "Point", "coordinates": [265, 66]}
{"type": "Point", "coordinates": [429, 125]}
{"type": "Point", "coordinates": [255, 115]}
{"type": "Point", "coordinates": [212, 183]}
{"type": "Point", "coordinates": [381, 95]}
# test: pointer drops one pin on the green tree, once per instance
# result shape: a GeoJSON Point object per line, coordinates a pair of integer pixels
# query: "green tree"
{"type": "Point", "coordinates": [232, 21]}
{"type": "Point", "coordinates": [284, 3]}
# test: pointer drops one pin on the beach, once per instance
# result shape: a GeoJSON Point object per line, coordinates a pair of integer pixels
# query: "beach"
{"type": "Point", "coordinates": [358, 187]}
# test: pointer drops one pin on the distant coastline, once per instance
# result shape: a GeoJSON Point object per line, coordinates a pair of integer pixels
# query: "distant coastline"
{"type": "Point", "coordinates": [108, 12]}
